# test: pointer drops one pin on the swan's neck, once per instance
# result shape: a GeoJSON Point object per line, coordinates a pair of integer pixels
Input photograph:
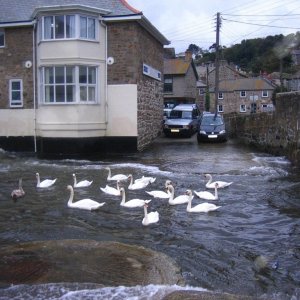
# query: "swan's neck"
{"type": "Point", "coordinates": [38, 179]}
{"type": "Point", "coordinates": [216, 192]}
{"type": "Point", "coordinates": [123, 197]}
{"type": "Point", "coordinates": [131, 181]}
{"type": "Point", "coordinates": [171, 193]}
{"type": "Point", "coordinates": [209, 179]}
{"type": "Point", "coordinates": [75, 180]}
{"type": "Point", "coordinates": [118, 186]}
{"type": "Point", "coordinates": [145, 213]}
{"type": "Point", "coordinates": [189, 206]}
{"type": "Point", "coordinates": [71, 196]}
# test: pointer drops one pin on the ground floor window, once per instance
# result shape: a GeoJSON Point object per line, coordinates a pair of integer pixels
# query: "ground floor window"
{"type": "Point", "coordinates": [69, 84]}
{"type": "Point", "coordinates": [16, 93]}
{"type": "Point", "coordinates": [220, 108]}
{"type": "Point", "coordinates": [242, 108]}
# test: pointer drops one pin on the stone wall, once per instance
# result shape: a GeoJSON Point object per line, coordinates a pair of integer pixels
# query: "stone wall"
{"type": "Point", "coordinates": [17, 50]}
{"type": "Point", "coordinates": [276, 133]}
{"type": "Point", "coordinates": [131, 46]}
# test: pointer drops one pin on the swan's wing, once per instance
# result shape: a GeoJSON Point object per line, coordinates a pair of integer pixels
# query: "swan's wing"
{"type": "Point", "coordinates": [205, 195]}
{"type": "Point", "coordinates": [180, 199]}
{"type": "Point", "coordinates": [153, 217]}
{"type": "Point", "coordinates": [111, 190]}
{"type": "Point", "coordinates": [47, 182]}
{"type": "Point", "coordinates": [159, 194]}
{"type": "Point", "coordinates": [136, 203]}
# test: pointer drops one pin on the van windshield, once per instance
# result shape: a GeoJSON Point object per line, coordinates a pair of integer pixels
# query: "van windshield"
{"type": "Point", "coordinates": [211, 120]}
{"type": "Point", "coordinates": [179, 114]}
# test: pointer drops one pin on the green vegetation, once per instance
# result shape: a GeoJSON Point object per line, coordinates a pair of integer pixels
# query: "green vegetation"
{"type": "Point", "coordinates": [256, 55]}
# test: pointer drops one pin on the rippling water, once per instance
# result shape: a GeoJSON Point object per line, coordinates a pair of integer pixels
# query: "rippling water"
{"type": "Point", "coordinates": [249, 246]}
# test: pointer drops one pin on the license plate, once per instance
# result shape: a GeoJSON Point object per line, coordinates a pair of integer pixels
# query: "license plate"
{"type": "Point", "coordinates": [174, 130]}
{"type": "Point", "coordinates": [212, 136]}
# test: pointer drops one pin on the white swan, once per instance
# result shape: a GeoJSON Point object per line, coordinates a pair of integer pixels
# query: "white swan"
{"type": "Point", "coordinates": [131, 203]}
{"type": "Point", "coordinates": [145, 179]}
{"type": "Point", "coordinates": [83, 183]}
{"type": "Point", "coordinates": [202, 207]}
{"type": "Point", "coordinates": [137, 185]}
{"type": "Point", "coordinates": [87, 204]}
{"type": "Point", "coordinates": [179, 199]}
{"type": "Point", "coordinates": [150, 218]}
{"type": "Point", "coordinates": [211, 185]}
{"type": "Point", "coordinates": [208, 195]}
{"type": "Point", "coordinates": [159, 194]}
{"type": "Point", "coordinates": [45, 183]}
{"type": "Point", "coordinates": [18, 193]}
{"type": "Point", "coordinates": [115, 177]}
{"type": "Point", "coordinates": [111, 190]}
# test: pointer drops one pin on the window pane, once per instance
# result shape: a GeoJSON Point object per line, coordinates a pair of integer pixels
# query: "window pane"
{"type": "Point", "coordinates": [60, 93]}
{"type": "Point", "coordinates": [83, 74]}
{"type": "Point", "coordinates": [15, 95]}
{"type": "Point", "coordinates": [83, 27]}
{"type": "Point", "coordinates": [59, 27]}
{"type": "Point", "coordinates": [91, 28]}
{"type": "Point", "coordinates": [70, 93]}
{"type": "Point", "coordinates": [49, 94]}
{"type": "Point", "coordinates": [1, 37]}
{"type": "Point", "coordinates": [15, 85]}
{"type": "Point", "coordinates": [92, 94]}
{"type": "Point", "coordinates": [83, 93]}
{"type": "Point", "coordinates": [48, 28]}
{"type": "Point", "coordinates": [70, 74]}
{"type": "Point", "coordinates": [92, 75]}
{"type": "Point", "coordinates": [70, 26]}
{"type": "Point", "coordinates": [59, 75]}
{"type": "Point", "coordinates": [49, 78]}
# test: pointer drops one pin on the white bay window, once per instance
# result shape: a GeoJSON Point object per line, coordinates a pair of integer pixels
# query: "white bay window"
{"type": "Point", "coordinates": [69, 84]}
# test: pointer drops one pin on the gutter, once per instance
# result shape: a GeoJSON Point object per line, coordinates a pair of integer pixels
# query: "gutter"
{"type": "Point", "coordinates": [34, 83]}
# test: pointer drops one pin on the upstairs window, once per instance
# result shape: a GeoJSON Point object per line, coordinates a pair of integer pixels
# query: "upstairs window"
{"type": "Point", "coordinates": [220, 95]}
{"type": "Point", "coordinates": [265, 93]}
{"type": "Point", "coordinates": [242, 94]}
{"type": "Point", "coordinates": [16, 93]}
{"type": "Point", "coordinates": [168, 84]}
{"type": "Point", "coordinates": [68, 27]}
{"type": "Point", "coordinates": [2, 40]}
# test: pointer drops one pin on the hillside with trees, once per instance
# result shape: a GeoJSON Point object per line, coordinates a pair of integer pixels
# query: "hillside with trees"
{"type": "Point", "coordinates": [254, 56]}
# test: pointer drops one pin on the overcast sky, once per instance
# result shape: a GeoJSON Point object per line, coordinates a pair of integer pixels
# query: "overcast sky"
{"type": "Point", "coordinates": [185, 22]}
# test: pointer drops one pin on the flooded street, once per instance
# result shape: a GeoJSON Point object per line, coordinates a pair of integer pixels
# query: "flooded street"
{"type": "Point", "coordinates": [250, 246]}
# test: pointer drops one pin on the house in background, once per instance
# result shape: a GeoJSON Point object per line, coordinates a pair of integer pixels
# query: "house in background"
{"type": "Point", "coordinates": [180, 79]}
{"type": "Point", "coordinates": [78, 77]}
{"type": "Point", "coordinates": [245, 96]}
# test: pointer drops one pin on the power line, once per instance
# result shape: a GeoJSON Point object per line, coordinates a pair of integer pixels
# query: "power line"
{"type": "Point", "coordinates": [263, 25]}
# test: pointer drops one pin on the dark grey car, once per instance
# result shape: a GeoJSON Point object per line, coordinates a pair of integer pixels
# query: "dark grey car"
{"type": "Point", "coordinates": [211, 128]}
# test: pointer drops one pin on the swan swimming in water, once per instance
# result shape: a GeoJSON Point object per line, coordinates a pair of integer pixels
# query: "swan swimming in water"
{"type": "Point", "coordinates": [83, 183]}
{"type": "Point", "coordinates": [179, 199]}
{"type": "Point", "coordinates": [211, 185]}
{"type": "Point", "coordinates": [161, 194]}
{"type": "Point", "coordinates": [145, 179]}
{"type": "Point", "coordinates": [131, 203]}
{"type": "Point", "coordinates": [18, 193]}
{"type": "Point", "coordinates": [202, 207]}
{"type": "Point", "coordinates": [45, 183]}
{"type": "Point", "coordinates": [208, 195]}
{"type": "Point", "coordinates": [150, 218]}
{"type": "Point", "coordinates": [115, 177]}
{"type": "Point", "coordinates": [111, 190]}
{"type": "Point", "coordinates": [87, 204]}
{"type": "Point", "coordinates": [137, 185]}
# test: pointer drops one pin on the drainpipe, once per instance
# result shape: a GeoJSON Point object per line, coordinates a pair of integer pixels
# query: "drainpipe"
{"type": "Point", "coordinates": [106, 92]}
{"type": "Point", "coordinates": [34, 83]}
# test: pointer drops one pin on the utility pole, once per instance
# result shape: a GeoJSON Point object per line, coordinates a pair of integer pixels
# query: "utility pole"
{"type": "Point", "coordinates": [217, 63]}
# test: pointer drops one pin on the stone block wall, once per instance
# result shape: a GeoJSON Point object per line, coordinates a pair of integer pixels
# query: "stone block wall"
{"type": "Point", "coordinates": [17, 50]}
{"type": "Point", "coordinates": [277, 133]}
{"type": "Point", "coordinates": [131, 46]}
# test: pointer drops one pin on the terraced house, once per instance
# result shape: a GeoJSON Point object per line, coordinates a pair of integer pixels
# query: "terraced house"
{"type": "Point", "coordinates": [78, 77]}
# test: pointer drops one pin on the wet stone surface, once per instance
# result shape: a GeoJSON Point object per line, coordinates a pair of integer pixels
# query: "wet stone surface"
{"type": "Point", "coordinates": [107, 263]}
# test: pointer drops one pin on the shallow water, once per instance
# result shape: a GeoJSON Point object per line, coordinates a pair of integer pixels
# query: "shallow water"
{"type": "Point", "coordinates": [249, 246]}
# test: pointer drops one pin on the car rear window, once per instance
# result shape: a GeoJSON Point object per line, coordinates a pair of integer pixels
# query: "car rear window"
{"type": "Point", "coordinates": [179, 114]}
{"type": "Point", "coordinates": [211, 120]}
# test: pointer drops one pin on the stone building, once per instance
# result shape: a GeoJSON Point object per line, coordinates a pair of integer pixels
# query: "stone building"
{"type": "Point", "coordinates": [78, 77]}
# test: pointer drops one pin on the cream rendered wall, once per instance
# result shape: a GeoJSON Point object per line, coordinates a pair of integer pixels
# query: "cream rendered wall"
{"type": "Point", "coordinates": [17, 122]}
{"type": "Point", "coordinates": [122, 110]}
{"type": "Point", "coordinates": [73, 120]}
